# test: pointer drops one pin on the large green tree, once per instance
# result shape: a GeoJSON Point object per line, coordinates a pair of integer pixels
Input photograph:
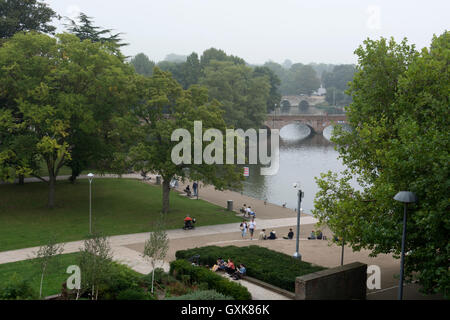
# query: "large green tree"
{"type": "Point", "coordinates": [164, 107]}
{"type": "Point", "coordinates": [242, 92]}
{"type": "Point", "coordinates": [64, 95]}
{"type": "Point", "coordinates": [25, 15]}
{"type": "Point", "coordinates": [400, 140]}
{"type": "Point", "coordinates": [142, 64]}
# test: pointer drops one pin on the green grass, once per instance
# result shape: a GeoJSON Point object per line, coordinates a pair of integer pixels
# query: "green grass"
{"type": "Point", "coordinates": [119, 206]}
{"type": "Point", "coordinates": [29, 270]}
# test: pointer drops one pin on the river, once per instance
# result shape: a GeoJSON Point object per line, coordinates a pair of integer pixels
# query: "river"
{"type": "Point", "coordinates": [302, 158]}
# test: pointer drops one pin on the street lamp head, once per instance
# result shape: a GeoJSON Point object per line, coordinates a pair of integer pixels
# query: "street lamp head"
{"type": "Point", "coordinates": [90, 176]}
{"type": "Point", "coordinates": [296, 185]}
{"type": "Point", "coordinates": [405, 197]}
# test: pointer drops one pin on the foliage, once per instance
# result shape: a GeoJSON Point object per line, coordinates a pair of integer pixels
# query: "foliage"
{"type": "Point", "coordinates": [155, 248]}
{"type": "Point", "coordinates": [95, 264]}
{"type": "Point", "coordinates": [243, 94]}
{"type": "Point", "coordinates": [25, 15]}
{"type": "Point", "coordinates": [399, 141]}
{"type": "Point", "coordinates": [142, 64]}
{"type": "Point", "coordinates": [84, 29]}
{"type": "Point", "coordinates": [45, 257]}
{"type": "Point", "coordinates": [17, 289]}
{"type": "Point", "coordinates": [164, 107]}
{"type": "Point", "coordinates": [202, 295]}
{"type": "Point", "coordinates": [266, 265]}
{"type": "Point", "coordinates": [215, 282]}
{"type": "Point", "coordinates": [62, 98]}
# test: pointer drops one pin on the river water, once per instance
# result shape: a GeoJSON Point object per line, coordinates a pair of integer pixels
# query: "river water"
{"type": "Point", "coordinates": [302, 158]}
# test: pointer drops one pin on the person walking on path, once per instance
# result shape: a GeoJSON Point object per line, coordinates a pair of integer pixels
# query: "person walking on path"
{"type": "Point", "coordinates": [194, 188]}
{"type": "Point", "coordinates": [251, 228]}
{"type": "Point", "coordinates": [243, 228]}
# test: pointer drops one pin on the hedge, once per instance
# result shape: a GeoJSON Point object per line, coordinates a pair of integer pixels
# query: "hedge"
{"type": "Point", "coordinates": [270, 266]}
{"type": "Point", "coordinates": [202, 295]}
{"type": "Point", "coordinates": [180, 268]}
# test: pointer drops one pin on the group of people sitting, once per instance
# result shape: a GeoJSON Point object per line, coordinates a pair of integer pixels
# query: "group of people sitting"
{"type": "Point", "coordinates": [230, 268]}
{"type": "Point", "coordinates": [248, 211]}
{"type": "Point", "coordinates": [316, 235]}
{"type": "Point", "coordinates": [273, 235]}
{"type": "Point", "coordinates": [188, 191]}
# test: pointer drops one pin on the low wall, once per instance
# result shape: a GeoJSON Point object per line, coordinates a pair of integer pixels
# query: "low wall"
{"type": "Point", "coordinates": [340, 283]}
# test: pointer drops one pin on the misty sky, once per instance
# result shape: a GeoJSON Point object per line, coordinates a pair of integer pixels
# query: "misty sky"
{"type": "Point", "coordinates": [303, 31]}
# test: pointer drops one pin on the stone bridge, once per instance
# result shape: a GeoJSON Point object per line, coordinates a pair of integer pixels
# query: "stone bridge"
{"type": "Point", "coordinates": [317, 123]}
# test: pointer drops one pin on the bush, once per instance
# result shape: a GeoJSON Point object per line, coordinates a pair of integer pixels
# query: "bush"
{"type": "Point", "coordinates": [202, 295]}
{"type": "Point", "coordinates": [133, 294]}
{"type": "Point", "coordinates": [180, 268]}
{"type": "Point", "coordinates": [266, 265]}
{"type": "Point", "coordinates": [17, 289]}
{"type": "Point", "coordinates": [120, 279]}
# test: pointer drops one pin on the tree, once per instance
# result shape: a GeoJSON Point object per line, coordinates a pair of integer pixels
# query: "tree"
{"type": "Point", "coordinates": [85, 30]}
{"type": "Point", "coordinates": [191, 71]}
{"type": "Point", "coordinates": [156, 247]}
{"type": "Point", "coordinates": [67, 96]}
{"type": "Point", "coordinates": [164, 107]}
{"type": "Point", "coordinates": [25, 15]}
{"type": "Point", "coordinates": [303, 79]}
{"type": "Point", "coordinates": [45, 257]}
{"type": "Point", "coordinates": [142, 64]}
{"type": "Point", "coordinates": [218, 55]}
{"type": "Point", "coordinates": [399, 141]}
{"type": "Point", "coordinates": [242, 93]}
{"type": "Point", "coordinates": [95, 262]}
{"type": "Point", "coordinates": [274, 81]}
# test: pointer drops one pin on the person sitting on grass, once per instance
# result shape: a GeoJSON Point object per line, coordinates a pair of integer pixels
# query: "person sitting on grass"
{"type": "Point", "coordinates": [240, 273]}
{"type": "Point", "coordinates": [188, 191]}
{"type": "Point", "coordinates": [230, 268]}
{"type": "Point", "coordinates": [312, 236]}
{"type": "Point", "coordinates": [272, 235]}
{"type": "Point", "coordinates": [262, 235]}
{"type": "Point", "coordinates": [220, 265]}
{"type": "Point", "coordinates": [290, 235]}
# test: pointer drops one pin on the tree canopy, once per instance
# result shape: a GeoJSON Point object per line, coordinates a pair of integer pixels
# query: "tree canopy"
{"type": "Point", "coordinates": [25, 15]}
{"type": "Point", "coordinates": [399, 141]}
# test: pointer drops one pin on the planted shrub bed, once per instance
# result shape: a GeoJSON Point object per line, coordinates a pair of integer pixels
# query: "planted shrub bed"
{"type": "Point", "coordinates": [185, 271]}
{"type": "Point", "coordinates": [270, 266]}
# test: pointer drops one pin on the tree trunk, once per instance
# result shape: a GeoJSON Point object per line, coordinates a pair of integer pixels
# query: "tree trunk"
{"type": "Point", "coordinates": [51, 191]}
{"type": "Point", "coordinates": [21, 179]}
{"type": "Point", "coordinates": [165, 195]}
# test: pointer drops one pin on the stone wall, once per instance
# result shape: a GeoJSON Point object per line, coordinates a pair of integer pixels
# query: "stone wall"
{"type": "Point", "coordinates": [340, 283]}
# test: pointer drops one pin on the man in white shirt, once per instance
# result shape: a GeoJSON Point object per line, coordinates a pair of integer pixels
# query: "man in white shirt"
{"type": "Point", "coordinates": [251, 228]}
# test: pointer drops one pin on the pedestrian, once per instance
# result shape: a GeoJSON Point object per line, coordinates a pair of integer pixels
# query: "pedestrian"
{"type": "Point", "coordinates": [243, 228]}
{"type": "Point", "coordinates": [194, 188]}
{"type": "Point", "coordinates": [251, 228]}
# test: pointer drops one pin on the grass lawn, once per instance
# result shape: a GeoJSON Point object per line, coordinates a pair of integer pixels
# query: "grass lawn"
{"type": "Point", "coordinates": [29, 270]}
{"type": "Point", "coordinates": [119, 206]}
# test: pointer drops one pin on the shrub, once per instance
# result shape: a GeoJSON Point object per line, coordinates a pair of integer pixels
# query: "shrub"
{"type": "Point", "coordinates": [180, 268]}
{"type": "Point", "coordinates": [202, 295]}
{"type": "Point", "coordinates": [133, 294]}
{"type": "Point", "coordinates": [264, 264]}
{"type": "Point", "coordinates": [120, 278]}
{"type": "Point", "coordinates": [17, 289]}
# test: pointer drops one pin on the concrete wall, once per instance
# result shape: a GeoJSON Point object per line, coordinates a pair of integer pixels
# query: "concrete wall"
{"type": "Point", "coordinates": [340, 283]}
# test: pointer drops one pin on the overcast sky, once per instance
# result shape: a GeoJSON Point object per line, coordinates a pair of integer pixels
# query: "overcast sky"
{"type": "Point", "coordinates": [260, 30]}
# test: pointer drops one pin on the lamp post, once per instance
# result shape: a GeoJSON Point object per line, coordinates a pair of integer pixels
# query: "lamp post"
{"type": "Point", "coordinates": [296, 186]}
{"type": "Point", "coordinates": [405, 197]}
{"type": "Point", "coordinates": [90, 177]}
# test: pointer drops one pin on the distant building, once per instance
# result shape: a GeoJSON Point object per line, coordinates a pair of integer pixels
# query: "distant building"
{"type": "Point", "coordinates": [320, 92]}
